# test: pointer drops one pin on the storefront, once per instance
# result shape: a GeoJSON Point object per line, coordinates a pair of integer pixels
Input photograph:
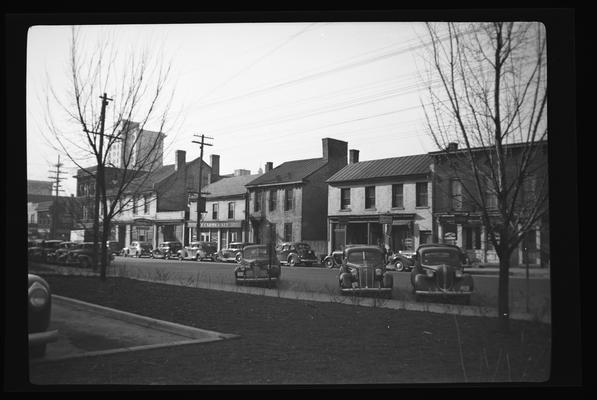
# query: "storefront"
{"type": "Point", "coordinates": [220, 232]}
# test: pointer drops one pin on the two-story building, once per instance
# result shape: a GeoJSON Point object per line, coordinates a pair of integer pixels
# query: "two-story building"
{"type": "Point", "coordinates": [289, 202]}
{"type": "Point", "coordinates": [225, 218]}
{"type": "Point", "coordinates": [156, 206]}
{"type": "Point", "coordinates": [457, 212]}
{"type": "Point", "coordinates": [381, 202]}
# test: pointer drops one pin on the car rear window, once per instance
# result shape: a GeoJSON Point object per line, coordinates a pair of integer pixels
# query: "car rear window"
{"type": "Point", "coordinates": [362, 257]}
{"type": "Point", "coordinates": [255, 252]}
{"type": "Point", "coordinates": [440, 256]}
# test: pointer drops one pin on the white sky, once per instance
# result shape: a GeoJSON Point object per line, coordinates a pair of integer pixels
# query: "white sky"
{"type": "Point", "coordinates": [263, 91]}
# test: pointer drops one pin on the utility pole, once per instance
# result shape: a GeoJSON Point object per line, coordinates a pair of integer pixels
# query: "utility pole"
{"type": "Point", "coordinates": [200, 203]}
{"type": "Point", "coordinates": [57, 178]}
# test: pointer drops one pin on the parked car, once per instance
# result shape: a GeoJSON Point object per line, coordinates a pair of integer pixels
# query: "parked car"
{"type": "Point", "coordinates": [403, 260]}
{"type": "Point", "coordinates": [42, 249]}
{"type": "Point", "coordinates": [114, 247]}
{"type": "Point", "coordinates": [138, 249]}
{"type": "Point", "coordinates": [463, 255]}
{"type": "Point", "coordinates": [363, 271]}
{"type": "Point", "coordinates": [439, 272]}
{"type": "Point", "coordinates": [334, 260]}
{"type": "Point", "coordinates": [82, 255]}
{"type": "Point", "coordinates": [167, 250]}
{"type": "Point", "coordinates": [198, 251]}
{"type": "Point", "coordinates": [232, 252]}
{"type": "Point", "coordinates": [58, 256]}
{"type": "Point", "coordinates": [38, 315]}
{"type": "Point", "coordinates": [296, 253]}
{"type": "Point", "coordinates": [258, 263]}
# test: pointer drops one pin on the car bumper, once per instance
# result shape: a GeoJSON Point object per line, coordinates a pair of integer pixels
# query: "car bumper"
{"type": "Point", "coordinates": [366, 290]}
{"type": "Point", "coordinates": [39, 338]}
{"type": "Point", "coordinates": [440, 293]}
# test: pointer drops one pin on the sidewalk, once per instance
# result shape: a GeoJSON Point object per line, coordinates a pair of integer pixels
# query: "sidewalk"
{"type": "Point", "coordinates": [493, 269]}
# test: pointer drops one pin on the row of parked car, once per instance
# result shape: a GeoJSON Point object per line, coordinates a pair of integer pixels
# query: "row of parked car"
{"type": "Point", "coordinates": [62, 252]}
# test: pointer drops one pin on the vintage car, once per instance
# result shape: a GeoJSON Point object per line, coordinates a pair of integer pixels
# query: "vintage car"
{"type": "Point", "coordinates": [232, 252]}
{"type": "Point", "coordinates": [404, 260]}
{"type": "Point", "coordinates": [334, 260]}
{"type": "Point", "coordinates": [138, 249]}
{"type": "Point", "coordinates": [258, 264]}
{"type": "Point", "coordinates": [296, 253]}
{"type": "Point", "coordinates": [167, 250]}
{"type": "Point", "coordinates": [363, 271]}
{"type": "Point", "coordinates": [463, 255]}
{"type": "Point", "coordinates": [42, 249]}
{"type": "Point", "coordinates": [198, 251]}
{"type": "Point", "coordinates": [58, 256]}
{"type": "Point", "coordinates": [114, 247]}
{"type": "Point", "coordinates": [439, 272]}
{"type": "Point", "coordinates": [82, 255]}
{"type": "Point", "coordinates": [38, 315]}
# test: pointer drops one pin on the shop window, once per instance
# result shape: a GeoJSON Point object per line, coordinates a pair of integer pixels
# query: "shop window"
{"type": "Point", "coordinates": [398, 196]}
{"type": "Point", "coordinates": [370, 197]}
{"type": "Point", "coordinates": [288, 232]}
{"type": "Point", "coordinates": [422, 194]}
{"type": "Point", "coordinates": [344, 198]}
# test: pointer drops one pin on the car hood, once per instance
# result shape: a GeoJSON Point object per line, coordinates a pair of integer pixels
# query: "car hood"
{"type": "Point", "coordinates": [258, 261]}
{"type": "Point", "coordinates": [439, 266]}
{"type": "Point", "coordinates": [359, 266]}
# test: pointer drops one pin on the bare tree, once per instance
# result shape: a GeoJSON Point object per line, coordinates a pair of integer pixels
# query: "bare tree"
{"type": "Point", "coordinates": [108, 90]}
{"type": "Point", "coordinates": [488, 95]}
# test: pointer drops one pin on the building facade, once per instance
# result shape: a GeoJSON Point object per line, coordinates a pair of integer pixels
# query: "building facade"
{"type": "Point", "coordinates": [136, 148]}
{"type": "Point", "coordinates": [225, 218]}
{"type": "Point", "coordinates": [289, 202]}
{"type": "Point", "coordinates": [381, 202]}
{"type": "Point", "coordinates": [458, 217]}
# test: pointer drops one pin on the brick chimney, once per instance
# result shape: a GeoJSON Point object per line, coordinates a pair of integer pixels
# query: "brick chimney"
{"type": "Point", "coordinates": [215, 167]}
{"type": "Point", "coordinates": [335, 152]}
{"type": "Point", "coordinates": [353, 156]}
{"type": "Point", "coordinates": [452, 146]}
{"type": "Point", "coordinates": [180, 160]}
{"type": "Point", "coordinates": [269, 166]}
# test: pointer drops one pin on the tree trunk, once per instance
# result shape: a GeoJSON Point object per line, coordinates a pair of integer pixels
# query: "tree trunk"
{"type": "Point", "coordinates": [104, 253]}
{"type": "Point", "coordinates": [503, 294]}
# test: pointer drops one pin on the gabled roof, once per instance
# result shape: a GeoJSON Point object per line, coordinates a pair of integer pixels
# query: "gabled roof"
{"type": "Point", "coordinates": [383, 168]}
{"type": "Point", "coordinates": [229, 186]}
{"type": "Point", "coordinates": [290, 171]}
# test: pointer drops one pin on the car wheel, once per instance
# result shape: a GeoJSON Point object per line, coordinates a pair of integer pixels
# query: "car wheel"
{"type": "Point", "coordinates": [329, 263]}
{"type": "Point", "coordinates": [238, 257]}
{"type": "Point", "coordinates": [137, 254]}
{"type": "Point", "coordinates": [399, 266]}
{"type": "Point", "coordinates": [292, 261]}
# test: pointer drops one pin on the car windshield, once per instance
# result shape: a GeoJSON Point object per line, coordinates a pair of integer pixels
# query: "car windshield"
{"type": "Point", "coordinates": [256, 252]}
{"type": "Point", "coordinates": [440, 256]}
{"type": "Point", "coordinates": [303, 246]}
{"type": "Point", "coordinates": [365, 257]}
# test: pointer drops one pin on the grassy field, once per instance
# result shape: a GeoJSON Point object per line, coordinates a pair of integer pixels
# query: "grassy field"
{"type": "Point", "coordinates": [294, 342]}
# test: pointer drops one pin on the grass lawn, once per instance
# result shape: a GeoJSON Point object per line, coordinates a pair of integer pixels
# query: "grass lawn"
{"type": "Point", "coordinates": [298, 342]}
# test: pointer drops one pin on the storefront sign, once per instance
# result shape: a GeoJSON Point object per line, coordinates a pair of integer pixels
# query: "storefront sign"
{"type": "Point", "coordinates": [386, 219]}
{"type": "Point", "coordinates": [223, 224]}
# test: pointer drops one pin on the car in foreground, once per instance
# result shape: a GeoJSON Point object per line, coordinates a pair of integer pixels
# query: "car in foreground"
{"type": "Point", "coordinates": [198, 251]}
{"type": "Point", "coordinates": [439, 273]}
{"type": "Point", "coordinates": [296, 253]}
{"type": "Point", "coordinates": [404, 260]}
{"type": "Point", "coordinates": [258, 264]}
{"type": "Point", "coordinates": [39, 301]}
{"type": "Point", "coordinates": [167, 250]}
{"type": "Point", "coordinates": [138, 249]}
{"type": "Point", "coordinates": [363, 271]}
{"type": "Point", "coordinates": [232, 252]}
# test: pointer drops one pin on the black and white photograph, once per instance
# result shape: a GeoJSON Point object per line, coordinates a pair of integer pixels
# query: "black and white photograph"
{"type": "Point", "coordinates": [311, 200]}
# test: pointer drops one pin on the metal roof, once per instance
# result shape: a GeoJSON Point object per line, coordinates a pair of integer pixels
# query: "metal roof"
{"type": "Point", "coordinates": [230, 186]}
{"type": "Point", "coordinates": [386, 167]}
{"type": "Point", "coordinates": [289, 172]}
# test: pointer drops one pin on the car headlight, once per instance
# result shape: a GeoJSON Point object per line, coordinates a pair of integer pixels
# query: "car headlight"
{"type": "Point", "coordinates": [378, 271]}
{"type": "Point", "coordinates": [38, 295]}
{"type": "Point", "coordinates": [458, 273]}
{"type": "Point", "coordinates": [430, 273]}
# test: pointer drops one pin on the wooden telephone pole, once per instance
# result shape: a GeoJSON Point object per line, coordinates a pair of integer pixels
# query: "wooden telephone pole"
{"type": "Point", "coordinates": [200, 202]}
{"type": "Point", "coordinates": [57, 178]}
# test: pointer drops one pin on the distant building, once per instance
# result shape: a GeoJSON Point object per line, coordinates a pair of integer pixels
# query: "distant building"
{"type": "Point", "coordinates": [289, 202]}
{"type": "Point", "coordinates": [136, 148]}
{"type": "Point", "coordinates": [39, 191]}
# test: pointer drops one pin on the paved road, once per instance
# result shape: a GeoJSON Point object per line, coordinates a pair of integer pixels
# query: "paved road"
{"type": "Point", "coordinates": [323, 280]}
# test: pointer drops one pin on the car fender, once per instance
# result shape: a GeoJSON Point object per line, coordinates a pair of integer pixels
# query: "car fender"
{"type": "Point", "coordinates": [388, 280]}
{"type": "Point", "coordinates": [420, 282]}
{"type": "Point", "coordinates": [467, 279]}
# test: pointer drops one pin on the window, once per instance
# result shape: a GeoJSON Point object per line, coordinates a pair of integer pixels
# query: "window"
{"type": "Point", "coordinates": [456, 194]}
{"type": "Point", "coordinates": [257, 206]}
{"type": "Point", "coordinates": [370, 197]}
{"type": "Point", "coordinates": [490, 195]}
{"type": "Point", "coordinates": [288, 199]}
{"type": "Point", "coordinates": [231, 210]}
{"type": "Point", "coordinates": [214, 211]}
{"type": "Point", "coordinates": [146, 204]}
{"type": "Point", "coordinates": [422, 194]}
{"type": "Point", "coordinates": [274, 236]}
{"type": "Point", "coordinates": [135, 205]}
{"type": "Point", "coordinates": [273, 194]}
{"type": "Point", "coordinates": [288, 232]}
{"type": "Point", "coordinates": [398, 196]}
{"type": "Point", "coordinates": [345, 198]}
{"type": "Point", "coordinates": [472, 238]}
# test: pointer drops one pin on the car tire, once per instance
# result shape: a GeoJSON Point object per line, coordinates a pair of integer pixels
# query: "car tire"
{"type": "Point", "coordinates": [292, 261]}
{"type": "Point", "coordinates": [329, 263]}
{"type": "Point", "coordinates": [238, 257]}
{"type": "Point", "coordinates": [399, 265]}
